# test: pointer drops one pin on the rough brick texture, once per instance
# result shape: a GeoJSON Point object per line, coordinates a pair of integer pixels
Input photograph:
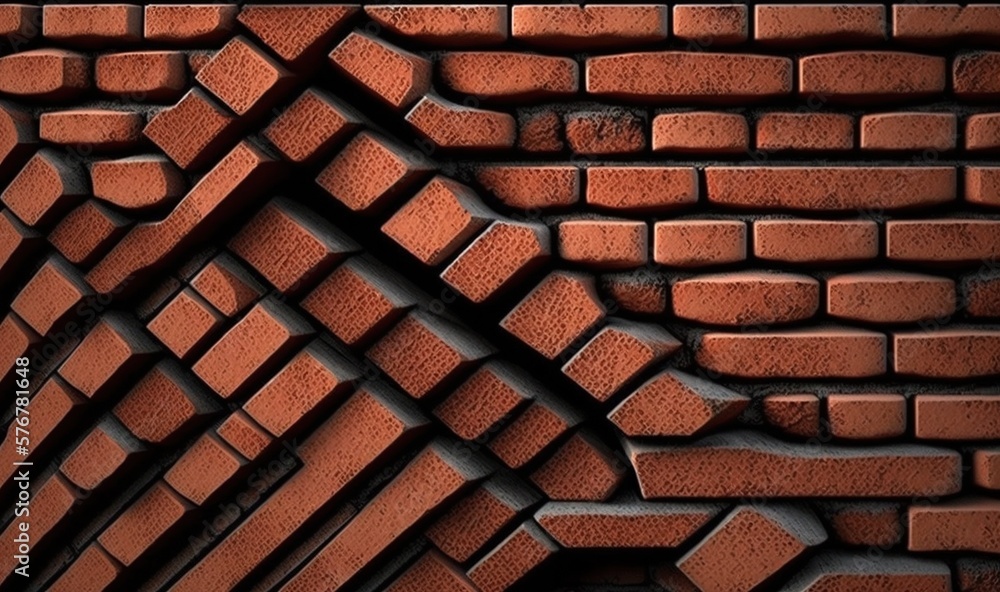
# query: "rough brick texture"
{"type": "Point", "coordinates": [630, 296]}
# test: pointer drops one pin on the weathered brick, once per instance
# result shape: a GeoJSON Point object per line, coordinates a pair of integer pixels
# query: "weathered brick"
{"type": "Point", "coordinates": [93, 25]}
{"type": "Point", "coordinates": [986, 468]}
{"type": "Point", "coordinates": [186, 325]}
{"type": "Point", "coordinates": [244, 77]}
{"type": "Point", "coordinates": [513, 559]}
{"type": "Point", "coordinates": [47, 186]}
{"type": "Point", "coordinates": [142, 75]}
{"type": "Point", "coordinates": [964, 524]}
{"type": "Point", "coordinates": [296, 32]}
{"type": "Point", "coordinates": [957, 417]}
{"type": "Point", "coordinates": [794, 414]}
{"type": "Point", "coordinates": [204, 469]}
{"type": "Point", "coordinates": [582, 469]}
{"type": "Point", "coordinates": [531, 187]}
{"type": "Point", "coordinates": [866, 417]}
{"type": "Point", "coordinates": [805, 131]}
{"type": "Point", "coordinates": [501, 256]}
{"type": "Point", "coordinates": [588, 27]}
{"type": "Point", "coordinates": [689, 76]}
{"type": "Point", "coordinates": [544, 421]}
{"type": "Point", "coordinates": [816, 353]}
{"type": "Point", "coordinates": [815, 241]}
{"type": "Point", "coordinates": [641, 189]}
{"type": "Point", "coordinates": [845, 571]}
{"type": "Point", "coordinates": [311, 126]}
{"type": "Point", "coordinates": [165, 405]}
{"type": "Point", "coordinates": [865, 523]}
{"type": "Point", "coordinates": [744, 463]}
{"type": "Point", "coordinates": [450, 125]}
{"type": "Point", "coordinates": [227, 285]}
{"type": "Point", "coordinates": [746, 298]}
{"type": "Point", "coordinates": [600, 243]}
{"type": "Point", "coordinates": [137, 182]}
{"type": "Point", "coordinates": [489, 397]}
{"type": "Point", "coordinates": [154, 517]}
{"type": "Point", "coordinates": [701, 405]}
{"type": "Point", "coordinates": [955, 240]}
{"type": "Point", "coordinates": [909, 131]}
{"type": "Point", "coordinates": [801, 24]}
{"type": "Point", "coordinates": [699, 243]}
{"type": "Point", "coordinates": [45, 74]}
{"type": "Point", "coordinates": [396, 77]}
{"type": "Point", "coordinates": [637, 292]}
{"type": "Point", "coordinates": [105, 455]}
{"type": "Point", "coordinates": [88, 232]}
{"type": "Point", "coordinates": [52, 297]}
{"type": "Point", "coordinates": [623, 525]}
{"type": "Point", "coordinates": [193, 131]}
{"type": "Point", "coordinates": [526, 76]}
{"type": "Point", "coordinates": [871, 76]}
{"type": "Point", "coordinates": [890, 297]}
{"type": "Point", "coordinates": [982, 185]}
{"type": "Point", "coordinates": [445, 25]}
{"type": "Point", "coordinates": [974, 76]}
{"type": "Point", "coordinates": [943, 23]}
{"type": "Point", "coordinates": [113, 353]}
{"type": "Point", "coordinates": [183, 24]}
{"type": "Point", "coordinates": [701, 132]}
{"type": "Point", "coordinates": [244, 435]}
{"type": "Point", "coordinates": [711, 24]}
{"type": "Point", "coordinates": [98, 129]}
{"type": "Point", "coordinates": [561, 310]}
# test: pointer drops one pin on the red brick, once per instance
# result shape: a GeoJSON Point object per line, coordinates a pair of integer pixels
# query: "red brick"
{"type": "Point", "coordinates": [540, 132]}
{"type": "Point", "coordinates": [948, 353]}
{"type": "Point", "coordinates": [186, 325]}
{"type": "Point", "coordinates": [489, 397]}
{"type": "Point", "coordinates": [699, 243]}
{"type": "Point", "coordinates": [432, 572]}
{"type": "Point", "coordinates": [444, 25]}
{"type": "Point", "coordinates": [241, 176]}
{"type": "Point", "coordinates": [52, 297]}
{"type": "Point", "coordinates": [623, 525]}
{"type": "Point", "coordinates": [137, 182]}
{"type": "Point", "coordinates": [815, 241]}
{"type": "Point", "coordinates": [142, 75]}
{"type": "Point", "coordinates": [637, 292]}
{"type": "Point", "coordinates": [865, 523]}
{"type": "Point", "coordinates": [154, 517]}
{"type": "Point", "coordinates": [244, 77]}
{"type": "Point", "coordinates": [814, 353]}
{"type": "Point", "coordinates": [790, 530]}
{"type": "Point", "coordinates": [105, 455]}
{"type": "Point", "coordinates": [394, 76]}
{"type": "Point", "coordinates": [618, 353]}
{"type": "Point", "coordinates": [184, 24]}
{"type": "Point", "coordinates": [371, 171]}
{"type": "Point", "coordinates": [700, 132]}
{"type": "Point", "coordinates": [909, 131]}
{"type": "Point", "coordinates": [422, 353]}
{"type": "Point", "coordinates": [583, 469]}
{"type": "Point", "coordinates": [605, 244]}
{"type": "Point", "coordinates": [17, 339]}
{"type": "Point", "coordinates": [244, 435]}
{"type": "Point", "coordinates": [428, 482]}
{"type": "Point", "coordinates": [227, 286]}
{"type": "Point", "coordinates": [805, 131]}
{"type": "Point", "coordinates": [982, 185]}
{"type": "Point", "coordinates": [18, 139]}
{"type": "Point", "coordinates": [641, 189]}
{"type": "Point", "coordinates": [316, 380]}
{"type": "Point", "coordinates": [745, 463]}
{"type": "Point", "coordinates": [541, 424]}
{"type": "Point", "coordinates": [746, 298]}
{"type": "Point", "coordinates": [689, 76]}
{"type": "Point", "coordinates": [795, 415]}
{"type": "Point", "coordinates": [87, 233]}
{"type": "Point", "coordinates": [313, 124]}
{"type": "Point", "coordinates": [607, 132]}
{"type": "Point", "coordinates": [558, 312]}
{"type": "Point", "coordinates": [957, 417]}
{"type": "Point", "coordinates": [165, 405]}
{"type": "Point", "coordinates": [711, 24]}
{"type": "Point", "coordinates": [92, 571]}
{"type": "Point", "coordinates": [193, 131]}
{"type": "Point", "coordinates": [377, 301]}
{"type": "Point", "coordinates": [800, 24]}
{"type": "Point", "coordinates": [890, 297]}
{"type": "Point", "coordinates": [290, 246]}
{"type": "Point", "coordinates": [94, 129]}
{"type": "Point", "coordinates": [986, 468]}
{"type": "Point", "coordinates": [977, 575]}
{"type": "Point", "coordinates": [92, 25]}
{"type": "Point", "coordinates": [55, 412]}
{"type": "Point", "coordinates": [204, 469]}
{"type": "Point", "coordinates": [833, 188]}
{"type": "Point", "coordinates": [450, 125]}
{"type": "Point", "coordinates": [835, 570]}
{"type": "Point", "coordinates": [954, 240]}
{"type": "Point", "coordinates": [526, 76]}
{"type": "Point", "coordinates": [252, 348]}
{"type": "Point", "coordinates": [333, 459]}
{"type": "Point", "coordinates": [296, 32]}
{"type": "Point", "coordinates": [866, 417]}
{"type": "Point", "coordinates": [982, 132]}
{"type": "Point", "coordinates": [502, 255]}
{"type": "Point", "coordinates": [19, 22]}
{"type": "Point", "coordinates": [964, 524]}
{"type": "Point", "coordinates": [981, 295]}
{"type": "Point", "coordinates": [112, 354]}
{"type": "Point", "coordinates": [442, 217]}
{"type": "Point", "coordinates": [45, 74]}
{"type": "Point", "coordinates": [942, 23]}
{"type": "Point", "coordinates": [871, 75]}
{"type": "Point", "coordinates": [588, 27]}
{"type": "Point", "coordinates": [700, 404]}
{"type": "Point", "coordinates": [974, 76]}
{"type": "Point", "coordinates": [532, 187]}
{"type": "Point", "coordinates": [477, 518]}
{"type": "Point", "coordinates": [51, 505]}
{"type": "Point", "coordinates": [513, 559]}
{"type": "Point", "coordinates": [45, 188]}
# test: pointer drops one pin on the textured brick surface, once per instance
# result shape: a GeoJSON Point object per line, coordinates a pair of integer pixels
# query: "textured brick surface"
{"type": "Point", "coordinates": [668, 297]}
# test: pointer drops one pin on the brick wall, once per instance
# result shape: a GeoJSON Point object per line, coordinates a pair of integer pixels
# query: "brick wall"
{"type": "Point", "coordinates": [503, 297]}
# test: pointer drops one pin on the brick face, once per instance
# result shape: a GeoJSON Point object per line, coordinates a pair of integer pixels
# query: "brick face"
{"type": "Point", "coordinates": [408, 297]}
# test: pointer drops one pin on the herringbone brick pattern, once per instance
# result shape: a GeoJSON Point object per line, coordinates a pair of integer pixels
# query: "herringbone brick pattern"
{"type": "Point", "coordinates": [331, 297]}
